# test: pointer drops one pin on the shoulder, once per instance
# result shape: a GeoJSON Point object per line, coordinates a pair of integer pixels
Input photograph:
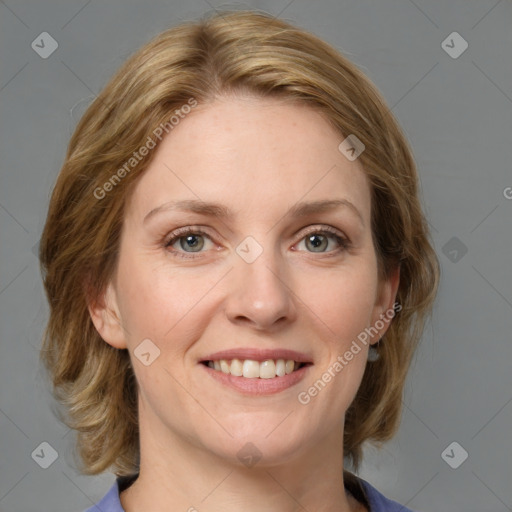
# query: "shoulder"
{"type": "Point", "coordinates": [111, 501]}
{"type": "Point", "coordinates": [362, 490]}
{"type": "Point", "coordinates": [374, 500]}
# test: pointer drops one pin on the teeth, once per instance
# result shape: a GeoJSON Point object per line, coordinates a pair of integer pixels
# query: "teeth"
{"type": "Point", "coordinates": [224, 366]}
{"type": "Point", "coordinates": [267, 369]}
{"type": "Point", "coordinates": [251, 369]}
{"type": "Point", "coordinates": [280, 367]}
{"type": "Point", "coordinates": [237, 368]}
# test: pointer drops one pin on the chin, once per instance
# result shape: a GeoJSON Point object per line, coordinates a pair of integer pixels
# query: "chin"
{"type": "Point", "coordinates": [264, 445]}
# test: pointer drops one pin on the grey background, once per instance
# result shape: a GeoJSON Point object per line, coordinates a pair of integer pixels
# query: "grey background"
{"type": "Point", "coordinates": [457, 113]}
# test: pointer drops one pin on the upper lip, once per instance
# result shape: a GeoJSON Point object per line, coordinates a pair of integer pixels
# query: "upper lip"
{"type": "Point", "coordinates": [258, 354]}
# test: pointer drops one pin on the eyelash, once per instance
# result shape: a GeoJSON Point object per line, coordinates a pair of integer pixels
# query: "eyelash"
{"type": "Point", "coordinates": [343, 242]}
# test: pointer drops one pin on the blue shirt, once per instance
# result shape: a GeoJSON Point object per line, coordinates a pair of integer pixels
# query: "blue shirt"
{"type": "Point", "coordinates": [362, 491]}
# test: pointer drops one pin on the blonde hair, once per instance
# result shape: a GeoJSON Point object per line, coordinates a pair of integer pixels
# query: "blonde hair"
{"type": "Point", "coordinates": [227, 53]}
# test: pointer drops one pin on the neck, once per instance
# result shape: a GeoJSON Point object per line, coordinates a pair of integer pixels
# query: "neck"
{"type": "Point", "coordinates": [190, 478]}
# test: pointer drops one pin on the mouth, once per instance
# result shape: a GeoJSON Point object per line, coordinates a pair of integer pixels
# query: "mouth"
{"type": "Point", "coordinates": [254, 369]}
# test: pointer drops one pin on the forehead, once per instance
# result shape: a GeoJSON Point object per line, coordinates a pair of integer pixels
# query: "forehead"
{"type": "Point", "coordinates": [251, 153]}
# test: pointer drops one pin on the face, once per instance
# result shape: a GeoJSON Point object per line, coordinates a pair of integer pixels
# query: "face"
{"type": "Point", "coordinates": [248, 237]}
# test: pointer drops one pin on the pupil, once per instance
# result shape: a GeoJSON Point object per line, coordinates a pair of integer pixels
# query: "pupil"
{"type": "Point", "coordinates": [317, 241]}
{"type": "Point", "coordinates": [193, 242]}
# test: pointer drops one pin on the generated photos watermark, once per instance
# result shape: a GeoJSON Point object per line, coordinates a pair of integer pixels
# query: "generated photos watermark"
{"type": "Point", "coordinates": [304, 397]}
{"type": "Point", "coordinates": [158, 133]}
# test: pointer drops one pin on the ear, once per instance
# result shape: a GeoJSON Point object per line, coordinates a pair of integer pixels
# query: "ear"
{"type": "Point", "coordinates": [383, 310]}
{"type": "Point", "coordinates": [106, 317]}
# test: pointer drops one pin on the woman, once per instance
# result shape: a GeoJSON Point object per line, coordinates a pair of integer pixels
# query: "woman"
{"type": "Point", "coordinates": [238, 271]}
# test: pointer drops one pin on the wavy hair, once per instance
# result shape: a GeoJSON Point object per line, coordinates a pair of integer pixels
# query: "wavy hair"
{"type": "Point", "coordinates": [234, 52]}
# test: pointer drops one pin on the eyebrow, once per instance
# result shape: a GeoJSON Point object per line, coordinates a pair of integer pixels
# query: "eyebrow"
{"type": "Point", "coordinates": [301, 209]}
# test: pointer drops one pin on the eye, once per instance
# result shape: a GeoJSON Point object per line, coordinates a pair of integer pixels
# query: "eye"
{"type": "Point", "coordinates": [191, 241]}
{"type": "Point", "coordinates": [320, 240]}
{"type": "Point", "coordinates": [188, 240]}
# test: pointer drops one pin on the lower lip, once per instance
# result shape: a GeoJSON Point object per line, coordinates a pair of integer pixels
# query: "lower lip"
{"type": "Point", "coordinates": [258, 386]}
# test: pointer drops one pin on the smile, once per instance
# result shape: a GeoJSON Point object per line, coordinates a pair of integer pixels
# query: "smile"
{"type": "Point", "coordinates": [251, 369]}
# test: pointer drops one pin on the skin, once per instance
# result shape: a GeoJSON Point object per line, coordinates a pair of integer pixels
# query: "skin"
{"type": "Point", "coordinates": [258, 158]}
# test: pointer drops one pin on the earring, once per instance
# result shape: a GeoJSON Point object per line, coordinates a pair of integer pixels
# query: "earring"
{"type": "Point", "coordinates": [373, 354]}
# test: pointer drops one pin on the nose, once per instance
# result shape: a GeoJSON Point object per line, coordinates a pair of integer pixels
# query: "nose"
{"type": "Point", "coordinates": [260, 295]}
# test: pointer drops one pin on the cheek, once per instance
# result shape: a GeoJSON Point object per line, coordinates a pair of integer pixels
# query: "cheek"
{"type": "Point", "coordinates": [342, 301]}
{"type": "Point", "coordinates": [160, 303]}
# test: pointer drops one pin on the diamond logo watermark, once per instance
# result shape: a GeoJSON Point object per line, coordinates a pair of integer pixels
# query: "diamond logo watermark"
{"type": "Point", "coordinates": [454, 45]}
{"type": "Point", "coordinates": [44, 45]}
{"type": "Point", "coordinates": [454, 249]}
{"type": "Point", "coordinates": [454, 455]}
{"type": "Point", "coordinates": [45, 455]}
{"type": "Point", "coordinates": [146, 352]}
{"type": "Point", "coordinates": [249, 250]}
{"type": "Point", "coordinates": [351, 147]}
{"type": "Point", "coordinates": [249, 455]}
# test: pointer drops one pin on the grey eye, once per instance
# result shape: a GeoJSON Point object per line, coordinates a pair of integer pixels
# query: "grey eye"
{"type": "Point", "coordinates": [193, 242]}
{"type": "Point", "coordinates": [316, 242]}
